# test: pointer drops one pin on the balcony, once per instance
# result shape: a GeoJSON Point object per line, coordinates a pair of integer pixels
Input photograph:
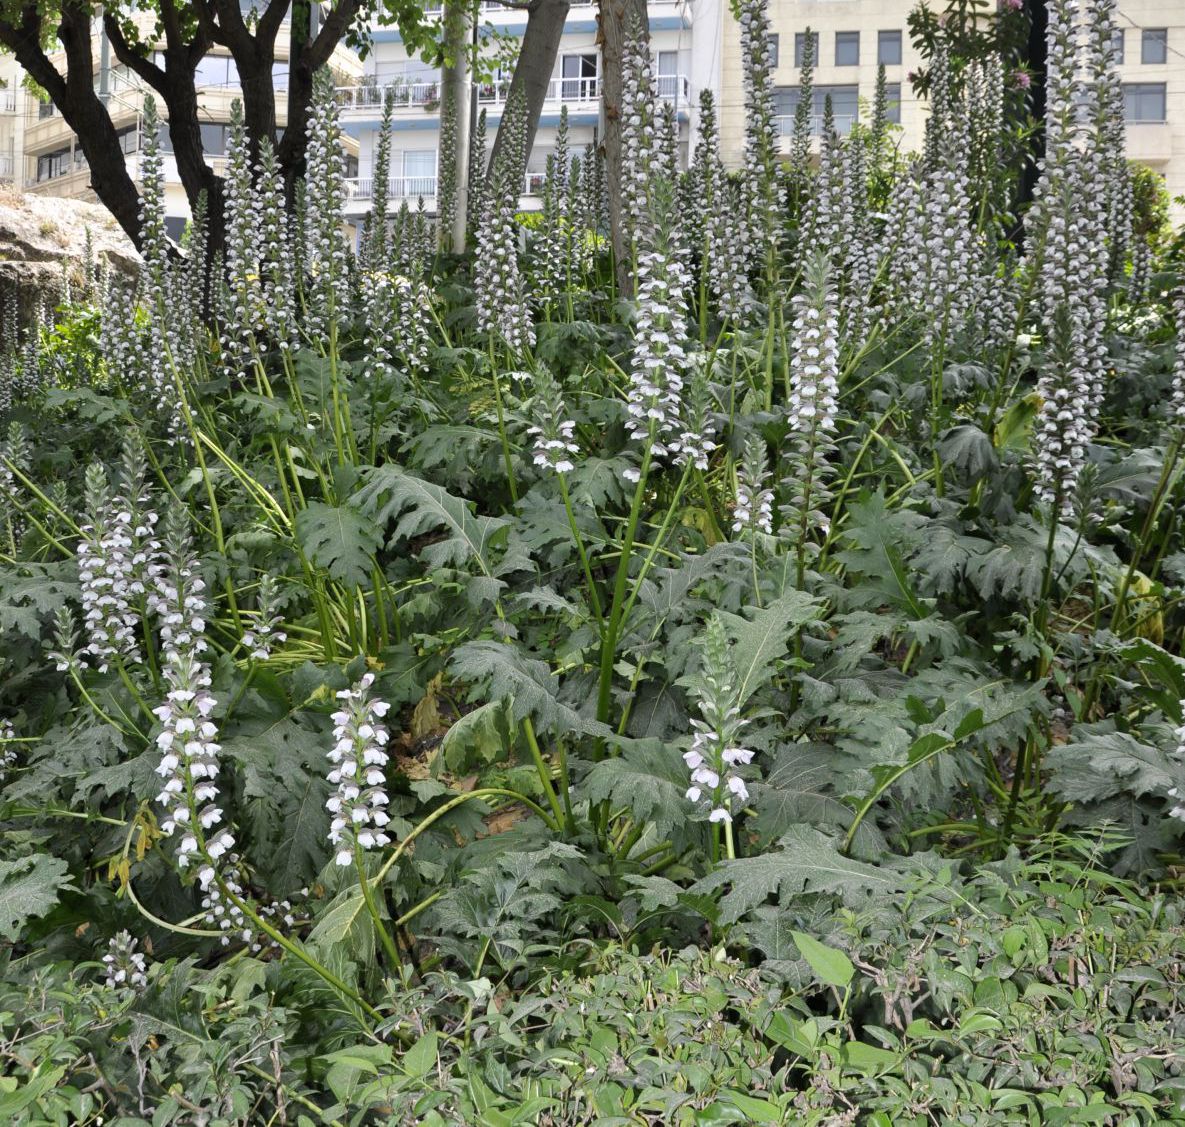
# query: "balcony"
{"type": "Point", "coordinates": [365, 99]}
{"type": "Point", "coordinates": [398, 187]}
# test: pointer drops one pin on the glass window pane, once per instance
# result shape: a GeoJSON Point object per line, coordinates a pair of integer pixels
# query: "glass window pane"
{"type": "Point", "coordinates": [888, 48]}
{"type": "Point", "coordinates": [1155, 45]}
{"type": "Point", "coordinates": [668, 62]}
{"type": "Point", "coordinates": [845, 106]}
{"type": "Point", "coordinates": [1144, 101]}
{"type": "Point", "coordinates": [1117, 44]}
{"type": "Point", "coordinates": [893, 102]}
{"type": "Point", "coordinates": [773, 50]}
{"type": "Point", "coordinates": [847, 48]}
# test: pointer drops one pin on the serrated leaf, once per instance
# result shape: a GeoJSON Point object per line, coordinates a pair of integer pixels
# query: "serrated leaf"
{"type": "Point", "coordinates": [527, 682]}
{"type": "Point", "coordinates": [340, 539]}
{"type": "Point", "coordinates": [419, 507]}
{"type": "Point", "coordinates": [806, 861]}
{"type": "Point", "coordinates": [649, 778]}
{"type": "Point", "coordinates": [766, 635]}
{"type": "Point", "coordinates": [29, 888]}
{"type": "Point", "coordinates": [1097, 764]}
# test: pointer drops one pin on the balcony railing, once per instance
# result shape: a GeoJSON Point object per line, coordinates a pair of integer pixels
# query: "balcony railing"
{"type": "Point", "coordinates": [368, 96]}
{"type": "Point", "coordinates": [398, 187]}
{"type": "Point", "coordinates": [843, 124]}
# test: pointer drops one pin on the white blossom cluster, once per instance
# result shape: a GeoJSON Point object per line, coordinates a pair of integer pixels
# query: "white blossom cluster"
{"type": "Point", "coordinates": [447, 187]}
{"type": "Point", "coordinates": [811, 410]}
{"type": "Point", "coordinates": [759, 173]}
{"type": "Point", "coordinates": [276, 267]}
{"type": "Point", "coordinates": [478, 181]}
{"type": "Point", "coordinates": [715, 225]}
{"type": "Point", "coordinates": [502, 309]}
{"type": "Point", "coordinates": [553, 257]}
{"type": "Point", "coordinates": [126, 967]}
{"type": "Point", "coordinates": [859, 246]}
{"type": "Point", "coordinates": [413, 301]}
{"type": "Point", "coordinates": [266, 633]}
{"type": "Point", "coordinates": [639, 121]}
{"type": "Point", "coordinates": [108, 576]}
{"type": "Point", "coordinates": [219, 910]}
{"type": "Point", "coordinates": [1177, 402]}
{"type": "Point", "coordinates": [697, 442]}
{"type": "Point", "coordinates": [242, 302]}
{"type": "Point", "coordinates": [358, 758]}
{"type": "Point", "coordinates": [1072, 216]}
{"type": "Point", "coordinates": [553, 433]}
{"type": "Point", "coordinates": [823, 216]}
{"type": "Point", "coordinates": [754, 507]}
{"type": "Point", "coordinates": [188, 736]}
{"type": "Point", "coordinates": [325, 255]}
{"type": "Point", "coordinates": [799, 164]}
{"type": "Point", "coordinates": [654, 399]}
{"type": "Point", "coordinates": [15, 449]}
{"type": "Point", "coordinates": [376, 247]}
{"type": "Point", "coordinates": [715, 752]}
{"type": "Point", "coordinates": [151, 371]}
{"type": "Point", "coordinates": [1177, 794]}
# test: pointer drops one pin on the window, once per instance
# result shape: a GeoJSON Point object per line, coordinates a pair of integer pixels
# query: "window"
{"type": "Point", "coordinates": [1117, 43]}
{"type": "Point", "coordinates": [129, 139]}
{"type": "Point", "coordinates": [419, 172]}
{"type": "Point", "coordinates": [1144, 101]}
{"type": "Point", "coordinates": [888, 48]}
{"type": "Point", "coordinates": [893, 102]}
{"type": "Point", "coordinates": [847, 48]}
{"type": "Point", "coordinates": [44, 110]}
{"type": "Point", "coordinates": [668, 74]}
{"type": "Point", "coordinates": [845, 106]}
{"type": "Point", "coordinates": [1154, 47]}
{"type": "Point", "coordinates": [773, 50]}
{"type": "Point", "coordinates": [52, 165]}
{"type": "Point", "coordinates": [579, 76]}
{"type": "Point", "coordinates": [800, 43]}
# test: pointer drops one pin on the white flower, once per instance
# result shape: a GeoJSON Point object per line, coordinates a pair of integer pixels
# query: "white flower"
{"type": "Point", "coordinates": [358, 756]}
{"type": "Point", "coordinates": [126, 967]}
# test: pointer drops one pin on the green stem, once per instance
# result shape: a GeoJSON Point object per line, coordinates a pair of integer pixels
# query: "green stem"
{"type": "Point", "coordinates": [372, 908]}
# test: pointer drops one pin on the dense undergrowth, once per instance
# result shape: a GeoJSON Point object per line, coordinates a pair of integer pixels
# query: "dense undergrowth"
{"type": "Point", "coordinates": [458, 690]}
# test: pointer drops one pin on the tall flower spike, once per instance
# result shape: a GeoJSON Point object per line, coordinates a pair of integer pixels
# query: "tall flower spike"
{"type": "Point", "coordinates": [715, 752]}
{"type": "Point", "coordinates": [639, 139]}
{"type": "Point", "coordinates": [800, 140]}
{"type": "Point", "coordinates": [266, 634]}
{"type": "Point", "coordinates": [277, 274]}
{"type": "Point", "coordinates": [1177, 403]}
{"type": "Point", "coordinates": [359, 759]}
{"type": "Point", "coordinates": [476, 199]}
{"type": "Point", "coordinates": [188, 736]}
{"type": "Point", "coordinates": [106, 574]}
{"type": "Point", "coordinates": [243, 302]}
{"type": "Point", "coordinates": [811, 411]}
{"type": "Point", "coordinates": [502, 310]}
{"type": "Point", "coordinates": [380, 191]}
{"type": "Point", "coordinates": [660, 334]}
{"type": "Point", "coordinates": [759, 175]}
{"type": "Point", "coordinates": [552, 433]}
{"type": "Point", "coordinates": [696, 443]}
{"type": "Point", "coordinates": [325, 180]}
{"type": "Point", "coordinates": [126, 968]}
{"type": "Point", "coordinates": [754, 510]}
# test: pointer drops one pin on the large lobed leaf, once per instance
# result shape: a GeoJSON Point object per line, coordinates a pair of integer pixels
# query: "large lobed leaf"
{"type": "Point", "coordinates": [29, 888]}
{"type": "Point", "coordinates": [807, 861]}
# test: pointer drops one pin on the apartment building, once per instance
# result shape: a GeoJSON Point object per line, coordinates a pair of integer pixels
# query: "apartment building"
{"type": "Point", "coordinates": [44, 154]}
{"type": "Point", "coordinates": [853, 37]}
{"type": "Point", "coordinates": [695, 45]}
{"type": "Point", "coordinates": [575, 84]}
{"type": "Point", "coordinates": [11, 121]}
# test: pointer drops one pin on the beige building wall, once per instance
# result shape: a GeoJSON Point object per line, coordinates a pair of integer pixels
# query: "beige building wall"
{"type": "Point", "coordinates": [1155, 90]}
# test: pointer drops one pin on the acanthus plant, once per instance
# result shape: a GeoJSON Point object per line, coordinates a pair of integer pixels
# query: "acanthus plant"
{"type": "Point", "coordinates": [447, 677]}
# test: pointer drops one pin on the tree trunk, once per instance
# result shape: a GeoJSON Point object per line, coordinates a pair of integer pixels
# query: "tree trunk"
{"type": "Point", "coordinates": [613, 22]}
{"type": "Point", "coordinates": [534, 67]}
{"type": "Point", "coordinates": [456, 83]}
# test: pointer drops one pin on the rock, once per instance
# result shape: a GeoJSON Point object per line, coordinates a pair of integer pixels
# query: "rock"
{"type": "Point", "coordinates": [39, 234]}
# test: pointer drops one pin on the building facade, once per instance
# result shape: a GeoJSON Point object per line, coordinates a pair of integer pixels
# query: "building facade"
{"type": "Point", "coordinates": [44, 154]}
{"type": "Point", "coordinates": [695, 45]}
{"type": "Point", "coordinates": [575, 84]}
